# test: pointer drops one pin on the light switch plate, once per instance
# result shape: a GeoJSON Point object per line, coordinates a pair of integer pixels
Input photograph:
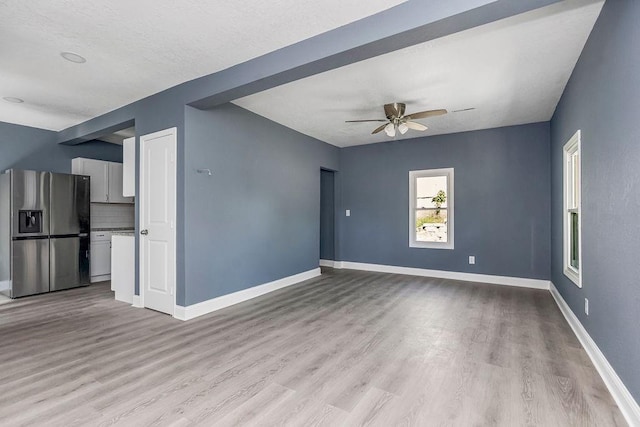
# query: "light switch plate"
{"type": "Point", "coordinates": [348, 212]}
{"type": "Point", "coordinates": [472, 259]}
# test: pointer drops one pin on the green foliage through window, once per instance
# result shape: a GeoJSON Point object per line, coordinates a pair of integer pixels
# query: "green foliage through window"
{"type": "Point", "coordinates": [438, 200]}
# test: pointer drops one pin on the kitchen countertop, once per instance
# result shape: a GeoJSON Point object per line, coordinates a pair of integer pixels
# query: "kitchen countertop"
{"type": "Point", "coordinates": [131, 229]}
{"type": "Point", "coordinates": [123, 233]}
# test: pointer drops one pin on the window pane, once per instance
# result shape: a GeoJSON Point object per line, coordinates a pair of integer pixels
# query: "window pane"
{"type": "Point", "coordinates": [431, 227]}
{"type": "Point", "coordinates": [575, 255]}
{"type": "Point", "coordinates": [431, 192]}
{"type": "Point", "coordinates": [576, 180]}
{"type": "Point", "coordinates": [571, 239]}
{"type": "Point", "coordinates": [431, 212]}
{"type": "Point", "coordinates": [570, 184]}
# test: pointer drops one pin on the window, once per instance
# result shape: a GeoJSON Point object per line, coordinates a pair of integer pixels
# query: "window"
{"type": "Point", "coordinates": [572, 220]}
{"type": "Point", "coordinates": [431, 209]}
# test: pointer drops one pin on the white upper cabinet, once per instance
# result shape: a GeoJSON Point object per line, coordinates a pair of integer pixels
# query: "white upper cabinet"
{"type": "Point", "coordinates": [129, 167]}
{"type": "Point", "coordinates": [106, 179]}
{"type": "Point", "coordinates": [115, 184]}
{"type": "Point", "coordinates": [99, 173]}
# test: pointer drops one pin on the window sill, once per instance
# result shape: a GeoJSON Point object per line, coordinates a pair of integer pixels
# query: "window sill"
{"type": "Point", "coordinates": [574, 277]}
{"type": "Point", "coordinates": [431, 245]}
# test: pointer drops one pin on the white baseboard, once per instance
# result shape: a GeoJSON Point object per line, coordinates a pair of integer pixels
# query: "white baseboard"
{"type": "Point", "coordinates": [192, 311]}
{"type": "Point", "coordinates": [5, 285]}
{"type": "Point", "coordinates": [441, 274]}
{"type": "Point", "coordinates": [103, 278]}
{"type": "Point", "coordinates": [627, 404]}
{"type": "Point", "coordinates": [327, 263]}
{"type": "Point", "coordinates": [137, 302]}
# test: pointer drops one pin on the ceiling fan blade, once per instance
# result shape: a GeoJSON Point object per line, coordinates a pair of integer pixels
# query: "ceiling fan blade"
{"type": "Point", "coordinates": [391, 110]}
{"type": "Point", "coordinates": [415, 126]}
{"type": "Point", "coordinates": [362, 121]}
{"type": "Point", "coordinates": [425, 114]}
{"type": "Point", "coordinates": [380, 129]}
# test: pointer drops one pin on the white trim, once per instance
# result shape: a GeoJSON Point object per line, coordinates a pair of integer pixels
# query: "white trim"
{"type": "Point", "coordinates": [627, 404]}
{"type": "Point", "coordinates": [214, 304]}
{"type": "Point", "coordinates": [137, 302]}
{"type": "Point", "coordinates": [102, 278]}
{"type": "Point", "coordinates": [5, 285]}
{"type": "Point", "coordinates": [573, 146]}
{"type": "Point", "coordinates": [442, 274]}
{"type": "Point", "coordinates": [145, 139]}
{"type": "Point", "coordinates": [327, 263]}
{"type": "Point", "coordinates": [413, 175]}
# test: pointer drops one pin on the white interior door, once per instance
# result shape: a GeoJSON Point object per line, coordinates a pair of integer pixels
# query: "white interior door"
{"type": "Point", "coordinates": [157, 220]}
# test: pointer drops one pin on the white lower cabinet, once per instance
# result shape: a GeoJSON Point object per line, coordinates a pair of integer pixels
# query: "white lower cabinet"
{"type": "Point", "coordinates": [123, 267]}
{"type": "Point", "coordinates": [100, 256]}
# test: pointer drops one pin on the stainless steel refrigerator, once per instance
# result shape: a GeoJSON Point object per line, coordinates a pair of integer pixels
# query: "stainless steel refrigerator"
{"type": "Point", "coordinates": [44, 232]}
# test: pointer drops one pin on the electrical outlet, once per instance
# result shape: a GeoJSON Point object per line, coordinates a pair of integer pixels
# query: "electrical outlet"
{"type": "Point", "coordinates": [472, 259]}
{"type": "Point", "coordinates": [586, 306]}
{"type": "Point", "coordinates": [348, 212]}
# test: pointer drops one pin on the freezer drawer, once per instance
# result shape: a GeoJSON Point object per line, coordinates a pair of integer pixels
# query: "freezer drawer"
{"type": "Point", "coordinates": [30, 260]}
{"type": "Point", "coordinates": [69, 262]}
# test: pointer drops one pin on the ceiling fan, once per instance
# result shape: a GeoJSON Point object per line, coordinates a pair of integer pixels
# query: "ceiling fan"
{"type": "Point", "coordinates": [398, 121]}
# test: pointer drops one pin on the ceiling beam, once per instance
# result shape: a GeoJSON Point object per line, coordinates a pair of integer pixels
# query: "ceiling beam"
{"type": "Point", "coordinates": [95, 129]}
{"type": "Point", "coordinates": [405, 25]}
{"type": "Point", "coordinates": [408, 24]}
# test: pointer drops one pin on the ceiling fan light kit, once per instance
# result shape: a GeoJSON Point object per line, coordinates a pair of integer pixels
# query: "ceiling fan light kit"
{"type": "Point", "coordinates": [390, 130]}
{"type": "Point", "coordinates": [398, 121]}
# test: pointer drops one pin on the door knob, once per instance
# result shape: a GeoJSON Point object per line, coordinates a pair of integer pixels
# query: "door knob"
{"type": "Point", "coordinates": [144, 232]}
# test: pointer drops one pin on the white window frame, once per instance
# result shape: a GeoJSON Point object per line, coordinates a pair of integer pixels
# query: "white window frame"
{"type": "Point", "coordinates": [572, 203]}
{"type": "Point", "coordinates": [413, 176]}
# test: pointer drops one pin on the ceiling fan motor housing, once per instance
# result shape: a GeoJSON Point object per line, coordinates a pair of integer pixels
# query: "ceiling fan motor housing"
{"type": "Point", "coordinates": [395, 111]}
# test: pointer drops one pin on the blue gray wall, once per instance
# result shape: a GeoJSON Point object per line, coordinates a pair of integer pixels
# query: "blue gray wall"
{"type": "Point", "coordinates": [402, 26]}
{"type": "Point", "coordinates": [23, 147]}
{"type": "Point", "coordinates": [502, 169]}
{"type": "Point", "coordinates": [327, 215]}
{"type": "Point", "coordinates": [602, 99]}
{"type": "Point", "coordinates": [502, 209]}
{"type": "Point", "coordinates": [256, 218]}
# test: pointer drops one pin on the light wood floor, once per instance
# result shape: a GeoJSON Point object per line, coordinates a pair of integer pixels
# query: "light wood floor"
{"type": "Point", "coordinates": [348, 348]}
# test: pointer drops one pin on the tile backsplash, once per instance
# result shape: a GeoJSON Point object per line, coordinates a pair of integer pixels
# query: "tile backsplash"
{"type": "Point", "coordinates": [116, 215]}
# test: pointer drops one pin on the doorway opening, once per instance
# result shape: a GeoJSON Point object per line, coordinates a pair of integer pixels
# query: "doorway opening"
{"type": "Point", "coordinates": [327, 217]}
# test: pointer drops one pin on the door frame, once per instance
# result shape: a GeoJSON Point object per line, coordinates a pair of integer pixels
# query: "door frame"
{"type": "Point", "coordinates": [333, 262]}
{"type": "Point", "coordinates": [146, 139]}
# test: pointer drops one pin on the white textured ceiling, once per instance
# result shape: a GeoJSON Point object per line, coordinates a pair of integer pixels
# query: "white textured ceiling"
{"type": "Point", "coordinates": [137, 48]}
{"type": "Point", "coordinates": [511, 71]}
